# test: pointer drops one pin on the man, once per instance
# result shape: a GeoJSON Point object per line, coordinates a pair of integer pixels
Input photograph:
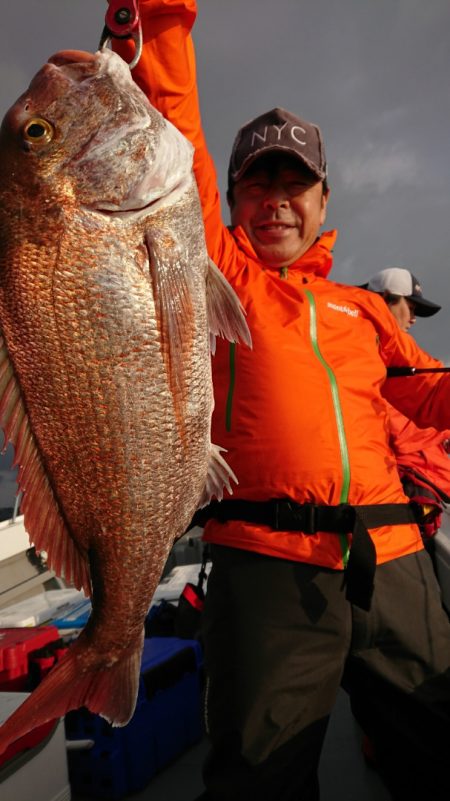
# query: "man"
{"type": "Point", "coordinates": [403, 294]}
{"type": "Point", "coordinates": [295, 604]}
{"type": "Point", "coordinates": [422, 453]}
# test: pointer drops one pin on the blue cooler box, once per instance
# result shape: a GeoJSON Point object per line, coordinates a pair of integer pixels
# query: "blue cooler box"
{"type": "Point", "coordinates": [167, 721]}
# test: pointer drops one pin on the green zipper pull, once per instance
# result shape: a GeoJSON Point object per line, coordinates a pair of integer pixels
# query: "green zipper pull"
{"type": "Point", "coordinates": [284, 272]}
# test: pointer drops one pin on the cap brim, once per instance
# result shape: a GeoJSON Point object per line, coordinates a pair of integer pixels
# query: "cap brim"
{"type": "Point", "coordinates": [287, 151]}
{"type": "Point", "coordinates": [424, 308]}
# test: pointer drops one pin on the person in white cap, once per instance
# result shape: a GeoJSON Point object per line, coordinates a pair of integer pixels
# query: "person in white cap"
{"type": "Point", "coordinates": [402, 292]}
{"type": "Point", "coordinates": [422, 453]}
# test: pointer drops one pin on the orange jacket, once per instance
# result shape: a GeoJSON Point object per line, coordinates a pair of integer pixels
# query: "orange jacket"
{"type": "Point", "coordinates": [302, 414]}
{"type": "Point", "coordinates": [420, 449]}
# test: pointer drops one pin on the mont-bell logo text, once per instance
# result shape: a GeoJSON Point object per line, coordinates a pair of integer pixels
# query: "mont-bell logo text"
{"type": "Point", "coordinates": [272, 134]}
{"type": "Point", "coordinates": [344, 309]}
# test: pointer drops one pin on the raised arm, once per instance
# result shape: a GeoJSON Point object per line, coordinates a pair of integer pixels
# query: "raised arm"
{"type": "Point", "coordinates": [166, 72]}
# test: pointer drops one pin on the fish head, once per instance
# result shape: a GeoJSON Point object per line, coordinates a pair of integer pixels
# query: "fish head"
{"type": "Point", "coordinates": [84, 132]}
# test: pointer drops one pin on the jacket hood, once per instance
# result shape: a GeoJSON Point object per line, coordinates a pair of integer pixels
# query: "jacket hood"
{"type": "Point", "coordinates": [318, 260]}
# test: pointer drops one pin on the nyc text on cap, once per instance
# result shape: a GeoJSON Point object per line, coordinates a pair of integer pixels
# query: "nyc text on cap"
{"type": "Point", "coordinates": [278, 130]}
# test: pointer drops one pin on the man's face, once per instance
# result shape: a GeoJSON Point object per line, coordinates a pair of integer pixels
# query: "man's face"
{"type": "Point", "coordinates": [404, 312]}
{"type": "Point", "coordinates": [280, 205]}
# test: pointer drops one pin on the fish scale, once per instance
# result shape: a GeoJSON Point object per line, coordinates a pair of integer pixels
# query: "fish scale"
{"type": "Point", "coordinates": [107, 304]}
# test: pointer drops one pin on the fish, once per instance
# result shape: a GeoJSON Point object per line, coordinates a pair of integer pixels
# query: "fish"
{"type": "Point", "coordinates": [109, 308]}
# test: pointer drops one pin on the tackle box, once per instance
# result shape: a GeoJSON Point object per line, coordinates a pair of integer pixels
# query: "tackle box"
{"type": "Point", "coordinates": [17, 649]}
{"type": "Point", "coordinates": [75, 616]}
{"type": "Point", "coordinates": [26, 655]}
{"type": "Point", "coordinates": [167, 721]}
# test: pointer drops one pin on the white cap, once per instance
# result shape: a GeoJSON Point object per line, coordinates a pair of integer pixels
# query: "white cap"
{"type": "Point", "coordinates": [398, 281]}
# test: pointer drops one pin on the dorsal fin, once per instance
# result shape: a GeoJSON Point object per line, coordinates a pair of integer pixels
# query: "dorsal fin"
{"type": "Point", "coordinates": [42, 517]}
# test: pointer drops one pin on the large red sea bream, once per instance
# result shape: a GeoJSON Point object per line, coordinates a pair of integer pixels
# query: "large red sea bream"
{"type": "Point", "coordinates": [107, 305]}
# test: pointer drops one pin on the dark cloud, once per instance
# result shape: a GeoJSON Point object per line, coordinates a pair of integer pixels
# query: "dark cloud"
{"type": "Point", "coordinates": [373, 75]}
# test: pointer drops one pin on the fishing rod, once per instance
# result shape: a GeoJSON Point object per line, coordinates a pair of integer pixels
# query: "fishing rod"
{"type": "Point", "coordinates": [404, 372]}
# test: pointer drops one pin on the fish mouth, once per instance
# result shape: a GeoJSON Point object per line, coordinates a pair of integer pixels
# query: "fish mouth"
{"type": "Point", "coordinates": [71, 57]}
{"type": "Point", "coordinates": [139, 208]}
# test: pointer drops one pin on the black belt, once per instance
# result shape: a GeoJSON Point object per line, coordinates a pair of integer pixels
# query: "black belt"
{"type": "Point", "coordinates": [309, 518]}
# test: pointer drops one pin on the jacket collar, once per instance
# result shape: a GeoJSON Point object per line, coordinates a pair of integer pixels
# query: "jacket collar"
{"type": "Point", "coordinates": [318, 260]}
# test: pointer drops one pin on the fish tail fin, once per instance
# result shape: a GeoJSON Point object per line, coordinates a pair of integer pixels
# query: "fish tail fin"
{"type": "Point", "coordinates": [108, 691]}
{"type": "Point", "coordinates": [219, 476]}
{"type": "Point", "coordinates": [226, 316]}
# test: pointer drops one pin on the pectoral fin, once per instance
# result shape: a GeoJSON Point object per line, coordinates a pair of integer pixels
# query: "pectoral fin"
{"type": "Point", "coordinates": [225, 312]}
{"type": "Point", "coordinates": [173, 300]}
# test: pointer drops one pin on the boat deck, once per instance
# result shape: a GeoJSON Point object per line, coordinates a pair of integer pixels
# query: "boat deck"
{"type": "Point", "coordinates": [344, 774]}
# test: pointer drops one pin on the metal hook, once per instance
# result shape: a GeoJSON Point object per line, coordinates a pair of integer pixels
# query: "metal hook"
{"type": "Point", "coordinates": [138, 41]}
{"type": "Point", "coordinates": [122, 21]}
{"type": "Point", "coordinates": [106, 39]}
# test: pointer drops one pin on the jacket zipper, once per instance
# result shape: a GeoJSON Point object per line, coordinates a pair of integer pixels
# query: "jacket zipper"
{"type": "Point", "coordinates": [338, 415]}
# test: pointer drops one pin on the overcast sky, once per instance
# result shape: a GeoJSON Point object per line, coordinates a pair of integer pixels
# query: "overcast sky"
{"type": "Point", "coordinates": [374, 74]}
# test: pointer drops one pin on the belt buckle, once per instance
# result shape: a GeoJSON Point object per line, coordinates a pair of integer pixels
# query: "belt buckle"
{"type": "Point", "coordinates": [290, 516]}
{"type": "Point", "coordinates": [309, 518]}
{"type": "Point", "coordinates": [348, 516]}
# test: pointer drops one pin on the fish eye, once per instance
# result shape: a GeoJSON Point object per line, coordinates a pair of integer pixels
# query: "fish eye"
{"type": "Point", "coordinates": [38, 131]}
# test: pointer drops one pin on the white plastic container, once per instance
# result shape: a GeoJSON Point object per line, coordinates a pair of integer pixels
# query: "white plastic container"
{"type": "Point", "coordinates": [41, 608]}
{"type": "Point", "coordinates": [40, 774]}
